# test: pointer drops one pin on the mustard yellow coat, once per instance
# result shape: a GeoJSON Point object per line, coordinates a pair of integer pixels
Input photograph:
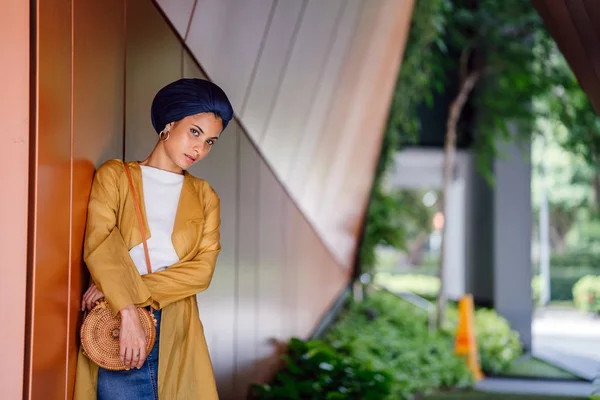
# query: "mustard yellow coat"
{"type": "Point", "coordinates": [185, 370]}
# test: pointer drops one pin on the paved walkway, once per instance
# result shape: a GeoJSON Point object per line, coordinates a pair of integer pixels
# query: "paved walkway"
{"type": "Point", "coordinates": [535, 387]}
{"type": "Point", "coordinates": [568, 339]}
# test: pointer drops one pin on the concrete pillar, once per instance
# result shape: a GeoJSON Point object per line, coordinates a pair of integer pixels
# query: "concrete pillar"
{"type": "Point", "coordinates": [512, 238]}
{"type": "Point", "coordinates": [479, 224]}
{"type": "Point", "coordinates": [455, 237]}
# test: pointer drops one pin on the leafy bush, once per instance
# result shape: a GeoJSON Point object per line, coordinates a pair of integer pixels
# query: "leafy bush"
{"type": "Point", "coordinates": [314, 371]}
{"type": "Point", "coordinates": [392, 335]}
{"type": "Point", "coordinates": [423, 285]}
{"type": "Point", "coordinates": [382, 347]}
{"type": "Point", "coordinates": [498, 345]}
{"type": "Point", "coordinates": [586, 293]}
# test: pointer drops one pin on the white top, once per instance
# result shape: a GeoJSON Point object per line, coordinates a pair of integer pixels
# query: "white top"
{"type": "Point", "coordinates": [161, 197]}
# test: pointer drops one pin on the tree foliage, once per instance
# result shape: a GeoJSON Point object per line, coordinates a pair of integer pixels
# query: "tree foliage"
{"type": "Point", "coordinates": [416, 83]}
{"type": "Point", "coordinates": [576, 123]}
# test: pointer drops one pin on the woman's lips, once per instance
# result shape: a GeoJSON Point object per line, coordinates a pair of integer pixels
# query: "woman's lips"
{"type": "Point", "coordinates": [190, 159]}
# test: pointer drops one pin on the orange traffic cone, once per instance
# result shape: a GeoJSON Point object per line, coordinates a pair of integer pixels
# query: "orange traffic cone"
{"type": "Point", "coordinates": [466, 344]}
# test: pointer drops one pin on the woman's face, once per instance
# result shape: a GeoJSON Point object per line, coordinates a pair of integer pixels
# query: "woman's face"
{"type": "Point", "coordinates": [191, 138]}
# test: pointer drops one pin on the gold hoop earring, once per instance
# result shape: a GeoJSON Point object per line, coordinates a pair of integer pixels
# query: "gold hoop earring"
{"type": "Point", "coordinates": [162, 135]}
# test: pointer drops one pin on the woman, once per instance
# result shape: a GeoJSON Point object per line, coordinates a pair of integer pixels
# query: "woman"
{"type": "Point", "coordinates": [181, 218]}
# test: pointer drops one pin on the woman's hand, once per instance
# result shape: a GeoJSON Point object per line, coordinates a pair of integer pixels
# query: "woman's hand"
{"type": "Point", "coordinates": [90, 297]}
{"type": "Point", "coordinates": [132, 338]}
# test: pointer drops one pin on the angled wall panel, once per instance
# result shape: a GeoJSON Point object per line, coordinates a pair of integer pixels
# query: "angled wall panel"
{"type": "Point", "coordinates": [271, 66]}
{"type": "Point", "coordinates": [227, 35]}
{"type": "Point", "coordinates": [309, 54]}
{"type": "Point", "coordinates": [311, 82]}
{"type": "Point", "coordinates": [311, 139]}
{"type": "Point", "coordinates": [180, 13]}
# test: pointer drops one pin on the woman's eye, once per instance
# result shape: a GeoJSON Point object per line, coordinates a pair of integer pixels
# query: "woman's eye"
{"type": "Point", "coordinates": [210, 142]}
{"type": "Point", "coordinates": [195, 132]}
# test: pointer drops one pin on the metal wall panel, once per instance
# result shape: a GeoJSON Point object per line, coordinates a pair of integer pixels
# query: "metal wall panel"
{"type": "Point", "coordinates": [153, 59]}
{"type": "Point", "coordinates": [180, 13]}
{"type": "Point", "coordinates": [336, 191]}
{"type": "Point", "coordinates": [217, 305]}
{"type": "Point", "coordinates": [574, 25]}
{"type": "Point", "coordinates": [360, 147]}
{"type": "Point", "coordinates": [49, 274]}
{"type": "Point", "coordinates": [247, 268]}
{"type": "Point", "coordinates": [310, 52]}
{"type": "Point", "coordinates": [98, 79]}
{"type": "Point", "coordinates": [318, 78]}
{"type": "Point", "coordinates": [227, 35]}
{"type": "Point", "coordinates": [98, 100]}
{"type": "Point", "coordinates": [310, 140]}
{"type": "Point", "coordinates": [271, 66]}
{"type": "Point", "coordinates": [14, 161]}
{"type": "Point", "coordinates": [271, 263]}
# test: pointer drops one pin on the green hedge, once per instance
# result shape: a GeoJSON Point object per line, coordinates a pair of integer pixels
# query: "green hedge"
{"type": "Point", "coordinates": [576, 259]}
{"type": "Point", "coordinates": [586, 293]}
{"type": "Point", "coordinates": [562, 281]}
{"type": "Point", "coordinates": [392, 335]}
{"type": "Point", "coordinates": [383, 345]}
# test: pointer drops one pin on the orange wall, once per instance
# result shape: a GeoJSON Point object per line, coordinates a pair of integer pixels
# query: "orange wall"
{"type": "Point", "coordinates": [79, 110]}
{"type": "Point", "coordinates": [14, 164]}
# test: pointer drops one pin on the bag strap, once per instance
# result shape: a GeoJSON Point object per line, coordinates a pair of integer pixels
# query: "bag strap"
{"type": "Point", "coordinates": [139, 217]}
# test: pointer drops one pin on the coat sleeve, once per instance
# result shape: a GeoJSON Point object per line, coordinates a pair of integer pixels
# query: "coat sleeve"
{"type": "Point", "coordinates": [185, 279]}
{"type": "Point", "coordinates": [105, 252]}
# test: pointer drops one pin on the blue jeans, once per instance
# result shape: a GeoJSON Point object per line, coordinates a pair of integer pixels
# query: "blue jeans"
{"type": "Point", "coordinates": [135, 384]}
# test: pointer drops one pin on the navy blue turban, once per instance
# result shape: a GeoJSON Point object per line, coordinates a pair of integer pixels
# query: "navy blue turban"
{"type": "Point", "coordinates": [186, 97]}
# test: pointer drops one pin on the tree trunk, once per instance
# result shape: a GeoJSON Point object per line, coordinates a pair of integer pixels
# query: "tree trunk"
{"type": "Point", "coordinates": [417, 249]}
{"type": "Point", "coordinates": [455, 111]}
{"type": "Point", "coordinates": [596, 190]}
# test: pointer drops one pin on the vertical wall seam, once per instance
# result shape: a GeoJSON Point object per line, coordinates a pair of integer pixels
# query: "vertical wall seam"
{"type": "Point", "coordinates": [124, 128]}
{"type": "Point", "coordinates": [70, 247]}
{"type": "Point", "coordinates": [258, 263]}
{"type": "Point", "coordinates": [236, 263]}
{"type": "Point", "coordinates": [32, 195]}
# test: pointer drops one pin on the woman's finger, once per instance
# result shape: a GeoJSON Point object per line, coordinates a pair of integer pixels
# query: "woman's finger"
{"type": "Point", "coordinates": [97, 296]}
{"type": "Point", "coordinates": [142, 357]}
{"type": "Point", "coordinates": [84, 300]}
{"type": "Point", "coordinates": [122, 351]}
{"type": "Point", "coordinates": [129, 357]}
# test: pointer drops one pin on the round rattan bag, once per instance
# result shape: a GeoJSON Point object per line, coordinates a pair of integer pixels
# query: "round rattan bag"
{"type": "Point", "coordinates": [100, 335]}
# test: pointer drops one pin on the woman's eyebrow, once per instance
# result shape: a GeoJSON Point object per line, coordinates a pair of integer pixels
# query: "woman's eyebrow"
{"type": "Point", "coordinates": [200, 129]}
